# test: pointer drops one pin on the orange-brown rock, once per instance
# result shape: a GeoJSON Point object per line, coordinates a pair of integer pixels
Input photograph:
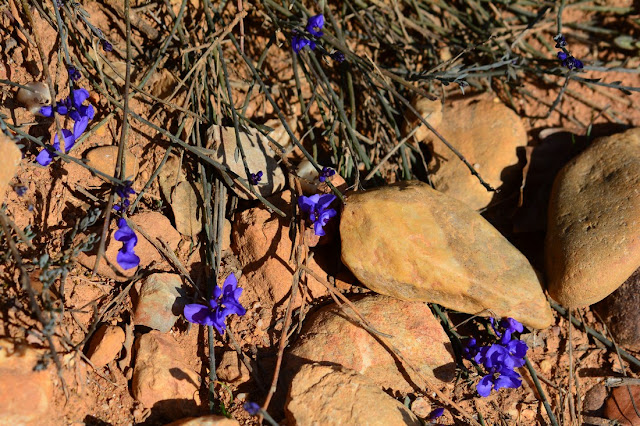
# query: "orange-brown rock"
{"type": "Point", "coordinates": [25, 394]}
{"type": "Point", "coordinates": [105, 345]}
{"type": "Point", "coordinates": [161, 379]}
{"type": "Point", "coordinates": [593, 231]}
{"type": "Point", "coordinates": [331, 395]}
{"type": "Point", "coordinates": [414, 243]}
{"type": "Point", "coordinates": [331, 336]}
{"type": "Point", "coordinates": [104, 159]}
{"type": "Point", "coordinates": [10, 157]}
{"type": "Point", "coordinates": [210, 420]}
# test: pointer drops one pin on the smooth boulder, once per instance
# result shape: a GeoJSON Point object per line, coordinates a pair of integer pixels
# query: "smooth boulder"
{"type": "Point", "coordinates": [412, 242]}
{"type": "Point", "coordinates": [10, 157]}
{"type": "Point", "coordinates": [593, 231]}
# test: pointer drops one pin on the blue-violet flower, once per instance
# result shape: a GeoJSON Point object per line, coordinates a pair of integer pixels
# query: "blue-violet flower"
{"type": "Point", "coordinates": [326, 173]}
{"type": "Point", "coordinates": [317, 206]}
{"type": "Point", "coordinates": [569, 61]}
{"type": "Point", "coordinates": [498, 377]}
{"type": "Point", "coordinates": [251, 408]}
{"type": "Point", "coordinates": [315, 24]}
{"type": "Point", "coordinates": [126, 257]}
{"type": "Point", "coordinates": [224, 303]}
{"type": "Point", "coordinates": [254, 178]}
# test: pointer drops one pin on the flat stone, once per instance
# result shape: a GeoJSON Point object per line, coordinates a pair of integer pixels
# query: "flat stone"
{"type": "Point", "coordinates": [188, 208]}
{"type": "Point", "coordinates": [25, 394]}
{"type": "Point", "coordinates": [331, 395]}
{"type": "Point", "coordinates": [488, 134]}
{"type": "Point", "coordinates": [10, 157]}
{"type": "Point", "coordinates": [593, 232]}
{"type": "Point", "coordinates": [619, 310]}
{"type": "Point", "coordinates": [104, 159]}
{"type": "Point", "coordinates": [330, 336]}
{"type": "Point", "coordinates": [155, 225]}
{"type": "Point", "coordinates": [413, 243]}
{"type": "Point", "coordinates": [161, 379]}
{"type": "Point", "coordinates": [158, 306]}
{"type": "Point", "coordinates": [221, 144]}
{"type": "Point", "coordinates": [210, 420]}
{"type": "Point", "coordinates": [105, 345]}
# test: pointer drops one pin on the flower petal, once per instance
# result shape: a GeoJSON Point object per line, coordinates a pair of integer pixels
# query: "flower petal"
{"type": "Point", "coordinates": [44, 157]}
{"type": "Point", "coordinates": [484, 386]}
{"type": "Point", "coordinates": [198, 314]}
{"type": "Point", "coordinates": [127, 259]}
{"type": "Point", "coordinates": [79, 96]}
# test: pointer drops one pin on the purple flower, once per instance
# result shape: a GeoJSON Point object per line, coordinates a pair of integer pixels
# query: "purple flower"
{"type": "Point", "coordinates": [81, 114]}
{"type": "Point", "coordinates": [560, 41]}
{"type": "Point", "coordinates": [337, 56]}
{"type": "Point", "coordinates": [126, 257]}
{"type": "Point", "coordinates": [318, 208]}
{"type": "Point", "coordinates": [107, 46]}
{"type": "Point", "coordinates": [569, 61]}
{"type": "Point", "coordinates": [438, 412]}
{"type": "Point", "coordinates": [315, 24]}
{"type": "Point", "coordinates": [251, 408]}
{"type": "Point", "coordinates": [124, 191]}
{"type": "Point", "coordinates": [498, 378]}
{"type": "Point", "coordinates": [255, 177]}
{"type": "Point", "coordinates": [20, 190]}
{"type": "Point", "coordinates": [326, 173]}
{"type": "Point", "coordinates": [224, 303]}
{"type": "Point", "coordinates": [74, 74]}
{"type": "Point", "coordinates": [471, 349]}
{"type": "Point", "coordinates": [510, 326]}
{"type": "Point", "coordinates": [298, 43]}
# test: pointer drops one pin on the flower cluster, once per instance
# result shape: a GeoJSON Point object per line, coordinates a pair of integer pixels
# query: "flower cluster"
{"type": "Point", "coordinates": [326, 173]}
{"type": "Point", "coordinates": [224, 303]}
{"type": "Point", "coordinates": [255, 178]}
{"type": "Point", "coordinates": [126, 257]}
{"type": "Point", "coordinates": [79, 113]}
{"type": "Point", "coordinates": [566, 59]}
{"type": "Point", "coordinates": [124, 191]}
{"type": "Point", "coordinates": [310, 37]}
{"type": "Point", "coordinates": [499, 359]}
{"type": "Point", "coordinates": [317, 206]}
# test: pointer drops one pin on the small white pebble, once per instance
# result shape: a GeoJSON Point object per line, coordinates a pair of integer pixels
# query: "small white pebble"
{"type": "Point", "coordinates": [35, 97]}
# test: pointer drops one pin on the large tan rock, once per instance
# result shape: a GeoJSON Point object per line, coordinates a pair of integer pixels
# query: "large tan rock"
{"type": "Point", "coordinates": [104, 159]}
{"type": "Point", "coordinates": [330, 395]}
{"type": "Point", "coordinates": [161, 379]}
{"type": "Point", "coordinates": [414, 243]}
{"type": "Point", "coordinates": [331, 336]}
{"type": "Point", "coordinates": [488, 135]}
{"type": "Point", "coordinates": [25, 394]}
{"type": "Point", "coordinates": [10, 157]}
{"type": "Point", "coordinates": [593, 231]}
{"type": "Point", "coordinates": [158, 304]}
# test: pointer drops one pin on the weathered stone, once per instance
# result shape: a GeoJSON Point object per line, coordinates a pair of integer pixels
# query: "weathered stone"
{"type": "Point", "coordinates": [488, 135]}
{"type": "Point", "coordinates": [34, 96]}
{"type": "Point", "coordinates": [259, 156]}
{"type": "Point", "coordinates": [104, 159]}
{"type": "Point", "coordinates": [411, 242]}
{"type": "Point", "coordinates": [10, 157]}
{"type": "Point", "coordinates": [262, 244]}
{"type": "Point", "coordinates": [105, 345]}
{"type": "Point", "coordinates": [231, 369]}
{"type": "Point", "coordinates": [226, 236]}
{"type": "Point", "coordinates": [620, 407]}
{"type": "Point", "coordinates": [331, 395]}
{"type": "Point", "coordinates": [155, 225]}
{"type": "Point", "coordinates": [161, 379]}
{"type": "Point", "coordinates": [210, 420]}
{"type": "Point", "coordinates": [593, 232]}
{"type": "Point", "coordinates": [158, 306]}
{"type": "Point", "coordinates": [620, 313]}
{"type": "Point", "coordinates": [331, 336]}
{"type": "Point", "coordinates": [170, 176]}
{"type": "Point", "coordinates": [188, 208]}
{"type": "Point", "coordinates": [25, 394]}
